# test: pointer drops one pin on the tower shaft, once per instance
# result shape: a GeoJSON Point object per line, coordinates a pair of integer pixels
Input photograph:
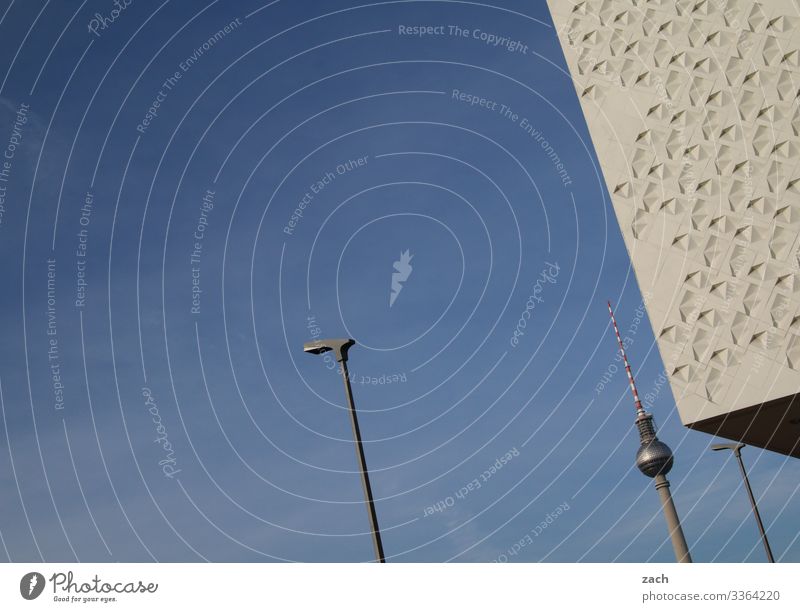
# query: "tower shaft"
{"type": "Point", "coordinates": [673, 522]}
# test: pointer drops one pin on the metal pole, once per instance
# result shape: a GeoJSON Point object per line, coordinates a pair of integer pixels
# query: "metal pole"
{"type": "Point", "coordinates": [362, 464]}
{"type": "Point", "coordinates": [738, 452]}
{"type": "Point", "coordinates": [673, 523]}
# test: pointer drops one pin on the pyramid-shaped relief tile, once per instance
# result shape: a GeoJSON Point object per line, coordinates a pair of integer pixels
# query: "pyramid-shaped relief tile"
{"type": "Point", "coordinates": [608, 69]}
{"type": "Point", "coordinates": [644, 80]}
{"type": "Point", "coordinates": [765, 340]}
{"type": "Point", "coordinates": [658, 112]}
{"type": "Point", "coordinates": [674, 334]}
{"type": "Point", "coordinates": [592, 38]}
{"type": "Point", "coordinates": [731, 135]}
{"type": "Point", "coordinates": [783, 24]}
{"type": "Point", "coordinates": [641, 161]}
{"type": "Point", "coordinates": [702, 206]}
{"type": "Point", "coordinates": [682, 60]}
{"type": "Point", "coordinates": [676, 142]}
{"type": "Point", "coordinates": [735, 70]}
{"type": "Point", "coordinates": [651, 194]}
{"type": "Point", "coordinates": [690, 245]}
{"type": "Point", "coordinates": [697, 9]}
{"type": "Point", "coordinates": [686, 119]}
{"type": "Point", "coordinates": [712, 386]}
{"type": "Point", "coordinates": [630, 73]}
{"type": "Point", "coordinates": [763, 270]}
{"type": "Point", "coordinates": [740, 329]}
{"type": "Point", "coordinates": [781, 310]}
{"type": "Point", "coordinates": [697, 279]}
{"type": "Point", "coordinates": [750, 298]}
{"type": "Point", "coordinates": [749, 168]}
{"type": "Point", "coordinates": [697, 35]}
{"type": "Point", "coordinates": [788, 214]}
{"type": "Point", "coordinates": [624, 190]}
{"type": "Point", "coordinates": [726, 159]}
{"type": "Point", "coordinates": [794, 324]}
{"type": "Point", "coordinates": [791, 59]}
{"type": "Point", "coordinates": [722, 289]}
{"type": "Point", "coordinates": [594, 93]}
{"type": "Point", "coordinates": [712, 123]}
{"type": "Point", "coordinates": [676, 206]}
{"type": "Point", "coordinates": [617, 42]}
{"type": "Point", "coordinates": [720, 39]}
{"type": "Point", "coordinates": [781, 242]}
{"type": "Point", "coordinates": [777, 176]}
{"type": "Point", "coordinates": [723, 224]}
{"type": "Point", "coordinates": [765, 206]}
{"type": "Point", "coordinates": [749, 46]}
{"type": "Point", "coordinates": [720, 98]}
{"type": "Point", "coordinates": [792, 356]}
{"type": "Point", "coordinates": [795, 123]}
{"type": "Point", "coordinates": [770, 114]}
{"type": "Point", "coordinates": [757, 19]}
{"type": "Point", "coordinates": [586, 61]}
{"type": "Point", "coordinates": [793, 186]}
{"type": "Point", "coordinates": [785, 150]}
{"type": "Point", "coordinates": [640, 49]}
{"type": "Point", "coordinates": [788, 85]}
{"type": "Point", "coordinates": [763, 140]}
{"type": "Point", "coordinates": [641, 221]}
{"type": "Point", "coordinates": [604, 10]}
{"type": "Point", "coordinates": [690, 304]}
{"type": "Point", "coordinates": [581, 8]}
{"type": "Point", "coordinates": [663, 51]}
{"type": "Point", "coordinates": [675, 83]}
{"type": "Point", "coordinates": [740, 193]}
{"type": "Point", "coordinates": [715, 250]}
{"type": "Point", "coordinates": [751, 234]}
{"type": "Point", "coordinates": [749, 103]}
{"type": "Point", "coordinates": [699, 89]}
{"type": "Point", "coordinates": [725, 357]}
{"type": "Point", "coordinates": [684, 372]}
{"type": "Point", "coordinates": [711, 318]}
{"type": "Point", "coordinates": [703, 212]}
{"type": "Point", "coordinates": [773, 51]}
{"type": "Point", "coordinates": [740, 260]}
{"type": "Point", "coordinates": [788, 283]}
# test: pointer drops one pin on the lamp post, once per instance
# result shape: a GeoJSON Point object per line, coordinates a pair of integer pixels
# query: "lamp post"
{"type": "Point", "coordinates": [340, 347]}
{"type": "Point", "coordinates": [737, 450]}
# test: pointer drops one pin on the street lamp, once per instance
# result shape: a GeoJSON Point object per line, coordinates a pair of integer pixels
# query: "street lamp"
{"type": "Point", "coordinates": [340, 346]}
{"type": "Point", "coordinates": [737, 450]}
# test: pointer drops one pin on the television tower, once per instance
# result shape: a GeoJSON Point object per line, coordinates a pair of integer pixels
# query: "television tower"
{"type": "Point", "coordinates": [654, 459]}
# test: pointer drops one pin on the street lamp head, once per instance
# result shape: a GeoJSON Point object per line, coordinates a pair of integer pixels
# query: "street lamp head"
{"type": "Point", "coordinates": [339, 346]}
{"type": "Point", "coordinates": [734, 447]}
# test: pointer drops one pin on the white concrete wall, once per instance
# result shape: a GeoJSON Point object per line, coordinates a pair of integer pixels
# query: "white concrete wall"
{"type": "Point", "coordinates": [692, 106]}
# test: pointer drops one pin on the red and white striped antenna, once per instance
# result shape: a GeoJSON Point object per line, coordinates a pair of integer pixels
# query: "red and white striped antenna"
{"type": "Point", "coordinates": [639, 408]}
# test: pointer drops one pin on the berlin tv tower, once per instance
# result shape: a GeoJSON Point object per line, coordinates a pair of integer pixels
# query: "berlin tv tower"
{"type": "Point", "coordinates": [654, 459]}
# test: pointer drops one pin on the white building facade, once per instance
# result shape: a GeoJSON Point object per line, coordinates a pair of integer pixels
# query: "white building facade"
{"type": "Point", "coordinates": [692, 106]}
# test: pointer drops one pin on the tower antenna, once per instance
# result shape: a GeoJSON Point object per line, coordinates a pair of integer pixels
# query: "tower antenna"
{"type": "Point", "coordinates": [636, 401]}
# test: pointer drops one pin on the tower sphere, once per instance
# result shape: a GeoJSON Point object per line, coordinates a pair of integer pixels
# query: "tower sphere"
{"type": "Point", "coordinates": [654, 458]}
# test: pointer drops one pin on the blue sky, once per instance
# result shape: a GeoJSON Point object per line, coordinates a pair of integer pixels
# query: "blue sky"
{"type": "Point", "coordinates": [199, 430]}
